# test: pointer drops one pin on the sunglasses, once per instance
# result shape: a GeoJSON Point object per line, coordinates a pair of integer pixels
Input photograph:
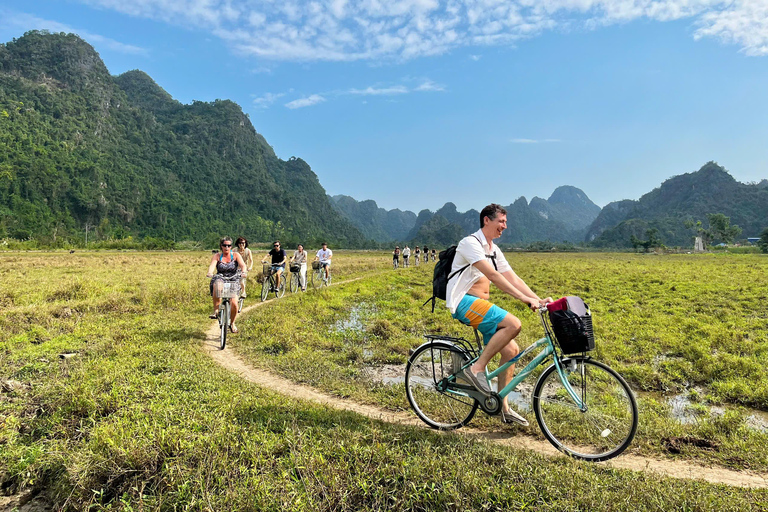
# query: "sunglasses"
{"type": "Point", "coordinates": [276, 245]}
{"type": "Point", "coordinates": [226, 245]}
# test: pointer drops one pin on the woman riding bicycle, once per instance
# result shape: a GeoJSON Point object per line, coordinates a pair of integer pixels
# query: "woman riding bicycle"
{"type": "Point", "coordinates": [241, 248]}
{"type": "Point", "coordinates": [226, 264]}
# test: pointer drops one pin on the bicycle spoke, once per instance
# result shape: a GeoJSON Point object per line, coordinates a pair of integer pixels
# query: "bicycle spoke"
{"type": "Point", "coordinates": [607, 425]}
{"type": "Point", "coordinates": [439, 409]}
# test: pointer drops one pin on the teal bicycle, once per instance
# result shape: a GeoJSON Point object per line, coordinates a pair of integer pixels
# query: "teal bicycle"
{"type": "Point", "coordinates": [583, 407]}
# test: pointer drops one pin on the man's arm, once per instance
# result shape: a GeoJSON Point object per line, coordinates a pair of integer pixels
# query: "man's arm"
{"type": "Point", "coordinates": [503, 284]}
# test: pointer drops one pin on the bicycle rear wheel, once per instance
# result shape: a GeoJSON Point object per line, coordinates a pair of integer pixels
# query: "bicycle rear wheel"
{"type": "Point", "coordinates": [448, 409]}
{"type": "Point", "coordinates": [224, 323]}
{"type": "Point", "coordinates": [605, 428]}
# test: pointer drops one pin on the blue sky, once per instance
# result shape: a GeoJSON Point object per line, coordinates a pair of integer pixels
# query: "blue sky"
{"type": "Point", "coordinates": [413, 103]}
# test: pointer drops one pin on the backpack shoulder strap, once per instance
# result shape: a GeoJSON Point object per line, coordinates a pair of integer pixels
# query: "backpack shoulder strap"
{"type": "Point", "coordinates": [491, 256]}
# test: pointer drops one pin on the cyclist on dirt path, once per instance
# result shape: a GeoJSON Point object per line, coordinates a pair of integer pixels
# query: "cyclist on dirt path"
{"type": "Point", "coordinates": [278, 261]}
{"type": "Point", "coordinates": [225, 264]}
{"type": "Point", "coordinates": [467, 297]}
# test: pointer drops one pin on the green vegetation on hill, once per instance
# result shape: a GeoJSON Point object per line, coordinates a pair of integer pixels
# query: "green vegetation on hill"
{"type": "Point", "coordinates": [375, 223]}
{"type": "Point", "coordinates": [81, 151]}
{"type": "Point", "coordinates": [692, 196]}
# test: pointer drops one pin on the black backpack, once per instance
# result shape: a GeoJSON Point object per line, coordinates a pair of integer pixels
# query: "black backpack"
{"type": "Point", "coordinates": [442, 273]}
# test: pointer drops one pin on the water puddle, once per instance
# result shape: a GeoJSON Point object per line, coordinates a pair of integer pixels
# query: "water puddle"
{"type": "Point", "coordinates": [356, 318]}
{"type": "Point", "coordinates": [687, 412]}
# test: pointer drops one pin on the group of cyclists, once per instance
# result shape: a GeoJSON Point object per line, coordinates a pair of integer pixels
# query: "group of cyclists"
{"type": "Point", "coordinates": [229, 262]}
{"type": "Point", "coordinates": [417, 253]}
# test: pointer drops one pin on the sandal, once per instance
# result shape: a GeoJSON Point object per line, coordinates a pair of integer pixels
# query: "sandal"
{"type": "Point", "coordinates": [213, 316]}
{"type": "Point", "coordinates": [234, 329]}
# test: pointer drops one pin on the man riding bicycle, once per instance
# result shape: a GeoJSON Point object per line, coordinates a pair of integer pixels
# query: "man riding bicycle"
{"type": "Point", "coordinates": [278, 261]}
{"type": "Point", "coordinates": [477, 264]}
{"type": "Point", "coordinates": [324, 255]}
{"type": "Point", "coordinates": [406, 255]}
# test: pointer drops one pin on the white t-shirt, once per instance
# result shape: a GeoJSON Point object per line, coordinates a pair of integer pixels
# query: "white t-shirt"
{"type": "Point", "coordinates": [468, 252]}
{"type": "Point", "coordinates": [324, 255]}
{"type": "Point", "coordinates": [406, 252]}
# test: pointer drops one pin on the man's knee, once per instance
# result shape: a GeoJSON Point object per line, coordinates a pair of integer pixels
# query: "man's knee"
{"type": "Point", "coordinates": [509, 351]}
{"type": "Point", "coordinates": [512, 323]}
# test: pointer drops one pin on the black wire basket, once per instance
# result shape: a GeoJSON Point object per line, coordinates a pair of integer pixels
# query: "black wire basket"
{"type": "Point", "coordinates": [573, 332]}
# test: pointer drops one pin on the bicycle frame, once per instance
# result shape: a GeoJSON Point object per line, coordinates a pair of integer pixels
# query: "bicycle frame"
{"type": "Point", "coordinates": [549, 350]}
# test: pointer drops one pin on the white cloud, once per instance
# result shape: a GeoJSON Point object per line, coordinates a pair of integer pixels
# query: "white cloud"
{"type": "Point", "coordinates": [744, 23]}
{"type": "Point", "coordinates": [380, 91]}
{"type": "Point", "coordinates": [305, 102]}
{"type": "Point", "coordinates": [26, 22]}
{"type": "Point", "coordinates": [475, 57]}
{"type": "Point", "coordinates": [429, 86]}
{"type": "Point", "coordinates": [343, 30]}
{"type": "Point", "coordinates": [267, 100]}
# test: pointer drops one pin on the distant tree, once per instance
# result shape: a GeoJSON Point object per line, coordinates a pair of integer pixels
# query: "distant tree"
{"type": "Point", "coordinates": [763, 242]}
{"type": "Point", "coordinates": [653, 240]}
{"type": "Point", "coordinates": [698, 228]}
{"type": "Point", "coordinates": [721, 228]}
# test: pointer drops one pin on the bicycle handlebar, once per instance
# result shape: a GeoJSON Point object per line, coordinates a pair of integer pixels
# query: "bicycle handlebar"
{"type": "Point", "coordinates": [238, 275]}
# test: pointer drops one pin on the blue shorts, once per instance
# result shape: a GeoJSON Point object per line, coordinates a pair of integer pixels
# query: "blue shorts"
{"type": "Point", "coordinates": [480, 314]}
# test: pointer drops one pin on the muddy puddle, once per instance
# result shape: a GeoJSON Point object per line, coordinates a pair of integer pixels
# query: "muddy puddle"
{"type": "Point", "coordinates": [355, 320]}
{"type": "Point", "coordinates": [687, 411]}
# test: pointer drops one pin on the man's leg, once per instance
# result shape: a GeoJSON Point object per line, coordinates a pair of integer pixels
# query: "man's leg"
{"type": "Point", "coordinates": [508, 328]}
{"type": "Point", "coordinates": [277, 277]}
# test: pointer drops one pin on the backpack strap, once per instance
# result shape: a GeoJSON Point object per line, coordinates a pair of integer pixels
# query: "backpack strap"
{"type": "Point", "coordinates": [491, 256]}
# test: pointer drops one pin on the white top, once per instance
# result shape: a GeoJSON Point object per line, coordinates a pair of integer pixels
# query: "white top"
{"type": "Point", "coordinates": [406, 251]}
{"type": "Point", "coordinates": [324, 255]}
{"type": "Point", "coordinates": [468, 252]}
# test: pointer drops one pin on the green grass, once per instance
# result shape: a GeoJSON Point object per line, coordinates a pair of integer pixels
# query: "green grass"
{"type": "Point", "coordinates": [142, 419]}
{"type": "Point", "coordinates": [669, 324]}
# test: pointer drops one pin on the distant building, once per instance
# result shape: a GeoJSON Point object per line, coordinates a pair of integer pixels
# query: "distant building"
{"type": "Point", "coordinates": [753, 240]}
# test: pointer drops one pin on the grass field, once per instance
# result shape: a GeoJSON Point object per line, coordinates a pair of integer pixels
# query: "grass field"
{"type": "Point", "coordinates": [139, 418]}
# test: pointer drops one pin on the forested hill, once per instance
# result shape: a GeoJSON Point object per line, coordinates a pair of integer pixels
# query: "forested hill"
{"type": "Point", "coordinates": [119, 156]}
{"type": "Point", "coordinates": [689, 196]}
{"type": "Point", "coordinates": [376, 223]}
{"type": "Point", "coordinates": [565, 216]}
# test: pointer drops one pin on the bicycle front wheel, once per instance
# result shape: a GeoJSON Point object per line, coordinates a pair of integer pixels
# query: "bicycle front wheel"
{"type": "Point", "coordinates": [294, 282]}
{"type": "Point", "coordinates": [316, 278]}
{"type": "Point", "coordinates": [425, 372]}
{"type": "Point", "coordinates": [265, 289]}
{"type": "Point", "coordinates": [604, 427]}
{"type": "Point", "coordinates": [280, 290]}
{"type": "Point", "coordinates": [224, 322]}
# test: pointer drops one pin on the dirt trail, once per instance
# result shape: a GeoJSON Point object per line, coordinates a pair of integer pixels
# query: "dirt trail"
{"type": "Point", "coordinates": [675, 469]}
